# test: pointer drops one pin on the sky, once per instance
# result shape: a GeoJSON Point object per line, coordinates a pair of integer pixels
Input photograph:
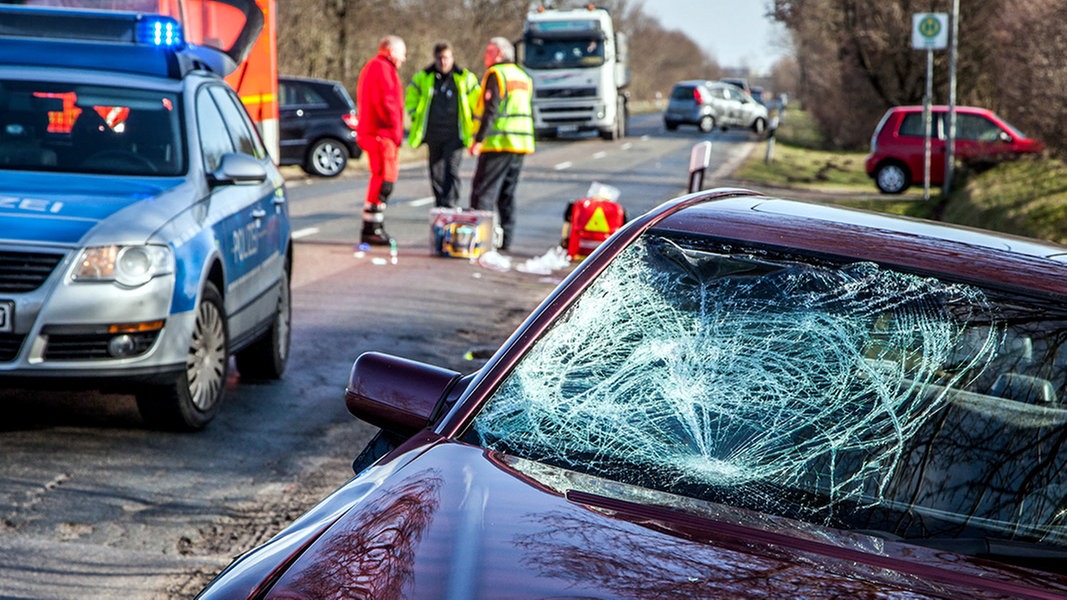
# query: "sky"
{"type": "Point", "coordinates": [734, 32]}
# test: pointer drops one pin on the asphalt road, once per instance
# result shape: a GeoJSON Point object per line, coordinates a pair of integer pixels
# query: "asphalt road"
{"type": "Point", "coordinates": [93, 505]}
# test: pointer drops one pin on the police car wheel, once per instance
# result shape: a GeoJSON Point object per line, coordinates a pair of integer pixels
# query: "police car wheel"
{"type": "Point", "coordinates": [267, 356]}
{"type": "Point", "coordinates": [326, 158]}
{"type": "Point", "coordinates": [193, 399]}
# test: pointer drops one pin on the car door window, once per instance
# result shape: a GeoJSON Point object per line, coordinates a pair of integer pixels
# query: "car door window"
{"type": "Point", "coordinates": [976, 128]}
{"type": "Point", "coordinates": [306, 95]}
{"type": "Point", "coordinates": [912, 125]}
{"type": "Point", "coordinates": [237, 123]}
{"type": "Point", "coordinates": [214, 140]}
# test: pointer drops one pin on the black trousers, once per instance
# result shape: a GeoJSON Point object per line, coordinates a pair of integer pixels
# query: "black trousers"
{"type": "Point", "coordinates": [445, 159]}
{"type": "Point", "coordinates": [496, 179]}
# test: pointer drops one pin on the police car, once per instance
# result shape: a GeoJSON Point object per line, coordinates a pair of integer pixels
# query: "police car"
{"type": "Point", "coordinates": [144, 230]}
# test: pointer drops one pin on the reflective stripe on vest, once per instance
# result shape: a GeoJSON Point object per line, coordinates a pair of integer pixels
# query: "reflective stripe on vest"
{"type": "Point", "coordinates": [513, 129]}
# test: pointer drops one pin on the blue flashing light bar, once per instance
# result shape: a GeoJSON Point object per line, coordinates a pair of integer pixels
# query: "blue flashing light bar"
{"type": "Point", "coordinates": [67, 24]}
{"type": "Point", "coordinates": [130, 42]}
{"type": "Point", "coordinates": [161, 31]}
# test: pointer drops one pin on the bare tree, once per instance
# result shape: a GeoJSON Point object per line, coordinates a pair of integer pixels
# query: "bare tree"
{"type": "Point", "coordinates": [333, 38]}
{"type": "Point", "coordinates": [855, 60]}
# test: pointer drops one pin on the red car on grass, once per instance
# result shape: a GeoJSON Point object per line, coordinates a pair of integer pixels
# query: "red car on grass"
{"type": "Point", "coordinates": [734, 396]}
{"type": "Point", "coordinates": [898, 144]}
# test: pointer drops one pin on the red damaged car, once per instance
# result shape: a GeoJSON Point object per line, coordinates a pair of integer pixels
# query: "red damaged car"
{"type": "Point", "coordinates": [735, 396]}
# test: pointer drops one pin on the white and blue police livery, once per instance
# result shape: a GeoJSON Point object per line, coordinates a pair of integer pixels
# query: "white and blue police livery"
{"type": "Point", "coordinates": [144, 229]}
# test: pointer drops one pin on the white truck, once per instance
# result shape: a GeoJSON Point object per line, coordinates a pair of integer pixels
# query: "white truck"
{"type": "Point", "coordinates": [580, 70]}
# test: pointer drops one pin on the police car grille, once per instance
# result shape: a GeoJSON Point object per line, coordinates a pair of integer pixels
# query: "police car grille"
{"type": "Point", "coordinates": [22, 272]}
{"type": "Point", "coordinates": [9, 346]}
{"type": "Point", "coordinates": [91, 346]}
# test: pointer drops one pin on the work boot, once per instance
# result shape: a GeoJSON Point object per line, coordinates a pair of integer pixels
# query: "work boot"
{"type": "Point", "coordinates": [374, 225]}
{"type": "Point", "coordinates": [374, 234]}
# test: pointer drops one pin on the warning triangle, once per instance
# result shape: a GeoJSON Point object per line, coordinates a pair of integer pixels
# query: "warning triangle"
{"type": "Point", "coordinates": [598, 223]}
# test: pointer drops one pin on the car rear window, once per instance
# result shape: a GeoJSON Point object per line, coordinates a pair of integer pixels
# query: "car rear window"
{"type": "Point", "coordinates": [682, 92]}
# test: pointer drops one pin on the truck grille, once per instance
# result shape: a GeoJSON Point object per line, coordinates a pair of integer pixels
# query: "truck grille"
{"type": "Point", "coordinates": [567, 93]}
{"type": "Point", "coordinates": [22, 272]}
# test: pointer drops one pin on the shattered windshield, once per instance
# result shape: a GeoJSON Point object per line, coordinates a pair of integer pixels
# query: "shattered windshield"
{"type": "Point", "coordinates": [62, 127]}
{"type": "Point", "coordinates": [847, 395]}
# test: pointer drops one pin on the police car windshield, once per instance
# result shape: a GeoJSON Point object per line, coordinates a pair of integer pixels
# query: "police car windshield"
{"type": "Point", "coordinates": [62, 127]}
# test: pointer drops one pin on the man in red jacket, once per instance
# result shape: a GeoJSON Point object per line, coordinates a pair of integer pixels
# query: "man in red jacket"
{"type": "Point", "coordinates": [380, 100]}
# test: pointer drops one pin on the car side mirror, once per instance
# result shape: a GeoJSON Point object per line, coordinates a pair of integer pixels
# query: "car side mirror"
{"type": "Point", "coordinates": [397, 394]}
{"type": "Point", "coordinates": [1005, 137]}
{"type": "Point", "coordinates": [238, 169]}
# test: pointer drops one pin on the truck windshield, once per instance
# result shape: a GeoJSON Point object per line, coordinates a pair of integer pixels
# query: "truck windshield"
{"type": "Point", "coordinates": [563, 54]}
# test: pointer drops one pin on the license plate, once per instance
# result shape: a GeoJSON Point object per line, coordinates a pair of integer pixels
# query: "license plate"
{"type": "Point", "coordinates": [568, 128]}
{"type": "Point", "coordinates": [7, 316]}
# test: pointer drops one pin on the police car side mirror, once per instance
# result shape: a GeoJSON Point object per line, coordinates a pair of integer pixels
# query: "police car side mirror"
{"type": "Point", "coordinates": [238, 169]}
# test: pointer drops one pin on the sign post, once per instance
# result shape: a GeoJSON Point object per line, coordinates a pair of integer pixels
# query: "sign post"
{"type": "Point", "coordinates": [929, 32]}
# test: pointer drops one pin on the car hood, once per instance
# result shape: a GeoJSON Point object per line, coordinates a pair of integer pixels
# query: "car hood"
{"type": "Point", "coordinates": [46, 208]}
{"type": "Point", "coordinates": [457, 521]}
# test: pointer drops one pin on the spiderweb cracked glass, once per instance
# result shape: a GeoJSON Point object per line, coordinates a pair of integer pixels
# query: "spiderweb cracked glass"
{"type": "Point", "coordinates": [737, 371]}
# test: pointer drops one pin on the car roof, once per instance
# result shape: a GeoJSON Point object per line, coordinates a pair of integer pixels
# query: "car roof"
{"type": "Point", "coordinates": [305, 79]}
{"type": "Point", "coordinates": [957, 253]}
{"type": "Point", "coordinates": [940, 108]}
{"type": "Point", "coordinates": [695, 82]}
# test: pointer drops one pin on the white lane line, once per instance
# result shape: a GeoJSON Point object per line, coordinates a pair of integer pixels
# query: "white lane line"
{"type": "Point", "coordinates": [563, 165]}
{"type": "Point", "coordinates": [628, 145]}
{"type": "Point", "coordinates": [422, 201]}
{"type": "Point", "coordinates": [303, 233]}
{"type": "Point", "coordinates": [599, 155]}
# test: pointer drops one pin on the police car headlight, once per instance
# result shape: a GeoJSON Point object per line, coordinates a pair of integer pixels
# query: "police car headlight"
{"type": "Point", "coordinates": [130, 266]}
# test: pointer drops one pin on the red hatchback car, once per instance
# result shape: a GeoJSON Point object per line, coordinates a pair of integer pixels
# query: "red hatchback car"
{"type": "Point", "coordinates": [734, 396]}
{"type": "Point", "coordinates": [897, 146]}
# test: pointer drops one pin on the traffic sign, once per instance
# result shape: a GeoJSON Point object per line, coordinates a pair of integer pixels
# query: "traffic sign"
{"type": "Point", "coordinates": [929, 31]}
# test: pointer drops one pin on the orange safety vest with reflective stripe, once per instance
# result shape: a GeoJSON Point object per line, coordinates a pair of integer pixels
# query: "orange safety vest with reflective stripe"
{"type": "Point", "coordinates": [513, 128]}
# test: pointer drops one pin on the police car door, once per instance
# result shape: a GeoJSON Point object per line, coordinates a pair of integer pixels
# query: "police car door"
{"type": "Point", "coordinates": [246, 218]}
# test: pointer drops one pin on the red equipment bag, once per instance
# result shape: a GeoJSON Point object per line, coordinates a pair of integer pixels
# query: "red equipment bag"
{"type": "Point", "coordinates": [587, 223]}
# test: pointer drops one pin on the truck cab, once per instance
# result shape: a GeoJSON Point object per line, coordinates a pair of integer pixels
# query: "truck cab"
{"type": "Point", "coordinates": [580, 68]}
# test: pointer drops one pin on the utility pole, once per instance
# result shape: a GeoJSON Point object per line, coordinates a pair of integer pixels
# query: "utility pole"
{"type": "Point", "coordinates": [929, 31]}
{"type": "Point", "coordinates": [950, 143]}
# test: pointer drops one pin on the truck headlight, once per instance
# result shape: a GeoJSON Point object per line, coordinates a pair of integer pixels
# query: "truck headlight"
{"type": "Point", "coordinates": [130, 266]}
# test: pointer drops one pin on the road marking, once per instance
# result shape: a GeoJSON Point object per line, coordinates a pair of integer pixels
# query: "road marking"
{"type": "Point", "coordinates": [421, 201]}
{"type": "Point", "coordinates": [628, 145]}
{"type": "Point", "coordinates": [599, 155]}
{"type": "Point", "coordinates": [303, 233]}
{"type": "Point", "coordinates": [563, 165]}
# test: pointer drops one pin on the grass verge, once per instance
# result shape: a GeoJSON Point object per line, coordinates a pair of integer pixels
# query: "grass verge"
{"type": "Point", "coordinates": [1025, 197]}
